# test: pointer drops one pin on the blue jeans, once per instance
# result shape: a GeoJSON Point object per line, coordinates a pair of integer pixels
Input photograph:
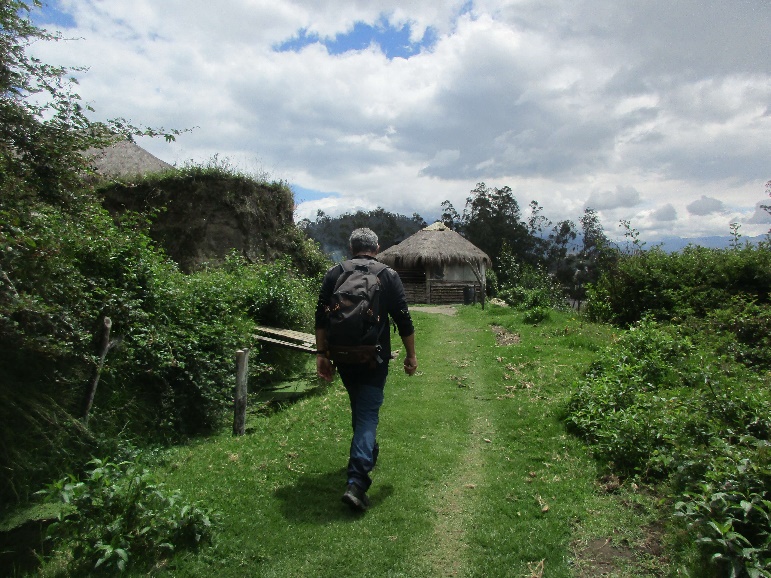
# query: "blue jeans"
{"type": "Point", "coordinates": [365, 392]}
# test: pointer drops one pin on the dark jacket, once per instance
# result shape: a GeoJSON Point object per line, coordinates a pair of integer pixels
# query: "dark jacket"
{"type": "Point", "coordinates": [392, 300]}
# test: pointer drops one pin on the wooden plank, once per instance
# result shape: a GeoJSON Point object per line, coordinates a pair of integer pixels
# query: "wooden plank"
{"type": "Point", "coordinates": [304, 347]}
{"type": "Point", "coordinates": [288, 334]}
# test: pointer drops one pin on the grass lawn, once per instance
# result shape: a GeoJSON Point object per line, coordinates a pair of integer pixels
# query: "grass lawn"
{"type": "Point", "coordinates": [476, 475]}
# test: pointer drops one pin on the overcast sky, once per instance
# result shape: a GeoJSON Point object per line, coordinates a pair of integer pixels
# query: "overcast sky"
{"type": "Point", "coordinates": [655, 111]}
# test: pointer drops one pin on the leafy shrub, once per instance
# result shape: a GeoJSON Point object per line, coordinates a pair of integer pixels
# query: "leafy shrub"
{"type": "Point", "coordinates": [198, 323]}
{"type": "Point", "coordinates": [742, 329]}
{"type": "Point", "coordinates": [676, 286]}
{"type": "Point", "coordinates": [63, 271]}
{"type": "Point", "coordinates": [116, 515]}
{"type": "Point", "coordinates": [729, 510]}
{"type": "Point", "coordinates": [172, 372]}
{"type": "Point", "coordinates": [527, 287]}
{"type": "Point", "coordinates": [683, 395]}
{"type": "Point", "coordinates": [660, 405]}
{"type": "Point", "coordinates": [537, 314]}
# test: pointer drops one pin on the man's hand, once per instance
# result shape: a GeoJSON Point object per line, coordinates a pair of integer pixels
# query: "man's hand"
{"type": "Point", "coordinates": [324, 368]}
{"type": "Point", "coordinates": [410, 365]}
{"type": "Point", "coordinates": [411, 361]}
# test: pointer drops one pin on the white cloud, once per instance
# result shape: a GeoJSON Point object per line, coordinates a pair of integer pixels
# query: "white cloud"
{"type": "Point", "coordinates": [628, 108]}
{"type": "Point", "coordinates": [665, 213]}
{"type": "Point", "coordinates": [706, 206]}
{"type": "Point", "coordinates": [761, 215]}
{"type": "Point", "coordinates": [622, 197]}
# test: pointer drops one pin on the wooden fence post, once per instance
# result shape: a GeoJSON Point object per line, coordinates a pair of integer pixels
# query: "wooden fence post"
{"type": "Point", "coordinates": [239, 400]}
{"type": "Point", "coordinates": [477, 271]}
{"type": "Point", "coordinates": [104, 347]}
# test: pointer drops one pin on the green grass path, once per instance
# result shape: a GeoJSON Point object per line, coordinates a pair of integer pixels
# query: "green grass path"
{"type": "Point", "coordinates": [476, 475]}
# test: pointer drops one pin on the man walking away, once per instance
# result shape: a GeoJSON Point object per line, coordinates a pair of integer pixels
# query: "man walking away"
{"type": "Point", "coordinates": [355, 340]}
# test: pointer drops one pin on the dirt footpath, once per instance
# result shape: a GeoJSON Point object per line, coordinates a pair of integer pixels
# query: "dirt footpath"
{"type": "Point", "coordinates": [441, 309]}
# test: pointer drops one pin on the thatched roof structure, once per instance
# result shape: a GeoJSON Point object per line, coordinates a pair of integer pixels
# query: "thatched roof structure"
{"type": "Point", "coordinates": [436, 245]}
{"type": "Point", "coordinates": [125, 159]}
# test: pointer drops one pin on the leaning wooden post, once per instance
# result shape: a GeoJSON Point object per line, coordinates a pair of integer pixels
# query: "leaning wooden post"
{"type": "Point", "coordinates": [104, 346]}
{"type": "Point", "coordinates": [239, 400]}
{"type": "Point", "coordinates": [482, 281]}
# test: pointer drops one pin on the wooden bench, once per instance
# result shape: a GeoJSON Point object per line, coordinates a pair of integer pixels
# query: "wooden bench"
{"type": "Point", "coordinates": [287, 338]}
{"type": "Point", "coordinates": [295, 340]}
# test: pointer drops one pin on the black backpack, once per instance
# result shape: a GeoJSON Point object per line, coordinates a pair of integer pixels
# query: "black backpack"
{"type": "Point", "coordinates": [354, 314]}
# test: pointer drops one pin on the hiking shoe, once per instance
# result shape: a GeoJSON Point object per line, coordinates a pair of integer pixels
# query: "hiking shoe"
{"type": "Point", "coordinates": [356, 498]}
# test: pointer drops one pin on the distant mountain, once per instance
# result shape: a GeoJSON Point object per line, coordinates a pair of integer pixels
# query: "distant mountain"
{"type": "Point", "coordinates": [668, 243]}
{"type": "Point", "coordinates": [672, 243]}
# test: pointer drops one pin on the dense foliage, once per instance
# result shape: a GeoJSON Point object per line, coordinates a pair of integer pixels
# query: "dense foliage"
{"type": "Point", "coordinates": [529, 251]}
{"type": "Point", "coordinates": [526, 287]}
{"type": "Point", "coordinates": [682, 400]}
{"type": "Point", "coordinates": [66, 264]}
{"type": "Point", "coordinates": [171, 371]}
{"type": "Point", "coordinates": [332, 232]}
{"type": "Point", "coordinates": [117, 516]}
{"type": "Point", "coordinates": [661, 407]}
{"type": "Point", "coordinates": [678, 286]}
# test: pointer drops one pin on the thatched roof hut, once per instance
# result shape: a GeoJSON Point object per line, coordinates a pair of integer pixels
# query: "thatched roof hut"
{"type": "Point", "coordinates": [437, 265]}
{"type": "Point", "coordinates": [125, 159]}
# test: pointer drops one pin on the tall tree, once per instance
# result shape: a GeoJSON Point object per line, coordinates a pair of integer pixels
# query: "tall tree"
{"type": "Point", "coordinates": [596, 253]}
{"type": "Point", "coordinates": [419, 221]}
{"type": "Point", "coordinates": [563, 233]}
{"type": "Point", "coordinates": [594, 239]}
{"type": "Point", "coordinates": [536, 224]}
{"type": "Point", "coordinates": [450, 217]}
{"type": "Point", "coordinates": [491, 218]}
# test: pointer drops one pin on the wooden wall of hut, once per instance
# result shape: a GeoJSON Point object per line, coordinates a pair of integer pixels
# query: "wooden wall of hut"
{"type": "Point", "coordinates": [439, 292]}
{"type": "Point", "coordinates": [434, 291]}
{"type": "Point", "coordinates": [415, 292]}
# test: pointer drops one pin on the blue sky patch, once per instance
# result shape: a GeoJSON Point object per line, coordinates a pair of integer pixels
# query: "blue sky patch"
{"type": "Point", "coordinates": [301, 194]}
{"type": "Point", "coordinates": [52, 17]}
{"type": "Point", "coordinates": [395, 42]}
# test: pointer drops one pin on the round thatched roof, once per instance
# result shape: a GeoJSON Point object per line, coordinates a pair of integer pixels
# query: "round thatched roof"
{"type": "Point", "coordinates": [125, 159]}
{"type": "Point", "coordinates": [434, 245]}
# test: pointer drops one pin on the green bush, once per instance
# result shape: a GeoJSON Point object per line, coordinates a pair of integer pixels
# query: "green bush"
{"type": "Point", "coordinates": [740, 328]}
{"type": "Point", "coordinates": [172, 369]}
{"type": "Point", "coordinates": [66, 264]}
{"type": "Point", "coordinates": [677, 286]}
{"type": "Point", "coordinates": [660, 405]}
{"type": "Point", "coordinates": [729, 511]}
{"type": "Point", "coordinates": [116, 516]}
{"type": "Point", "coordinates": [63, 271]}
{"type": "Point", "coordinates": [535, 315]}
{"type": "Point", "coordinates": [526, 287]}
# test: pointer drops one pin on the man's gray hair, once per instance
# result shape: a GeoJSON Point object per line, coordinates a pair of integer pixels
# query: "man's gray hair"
{"type": "Point", "coordinates": [363, 241]}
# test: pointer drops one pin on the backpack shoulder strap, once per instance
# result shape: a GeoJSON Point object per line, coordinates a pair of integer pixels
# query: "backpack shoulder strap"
{"type": "Point", "coordinates": [345, 267]}
{"type": "Point", "coordinates": [376, 267]}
